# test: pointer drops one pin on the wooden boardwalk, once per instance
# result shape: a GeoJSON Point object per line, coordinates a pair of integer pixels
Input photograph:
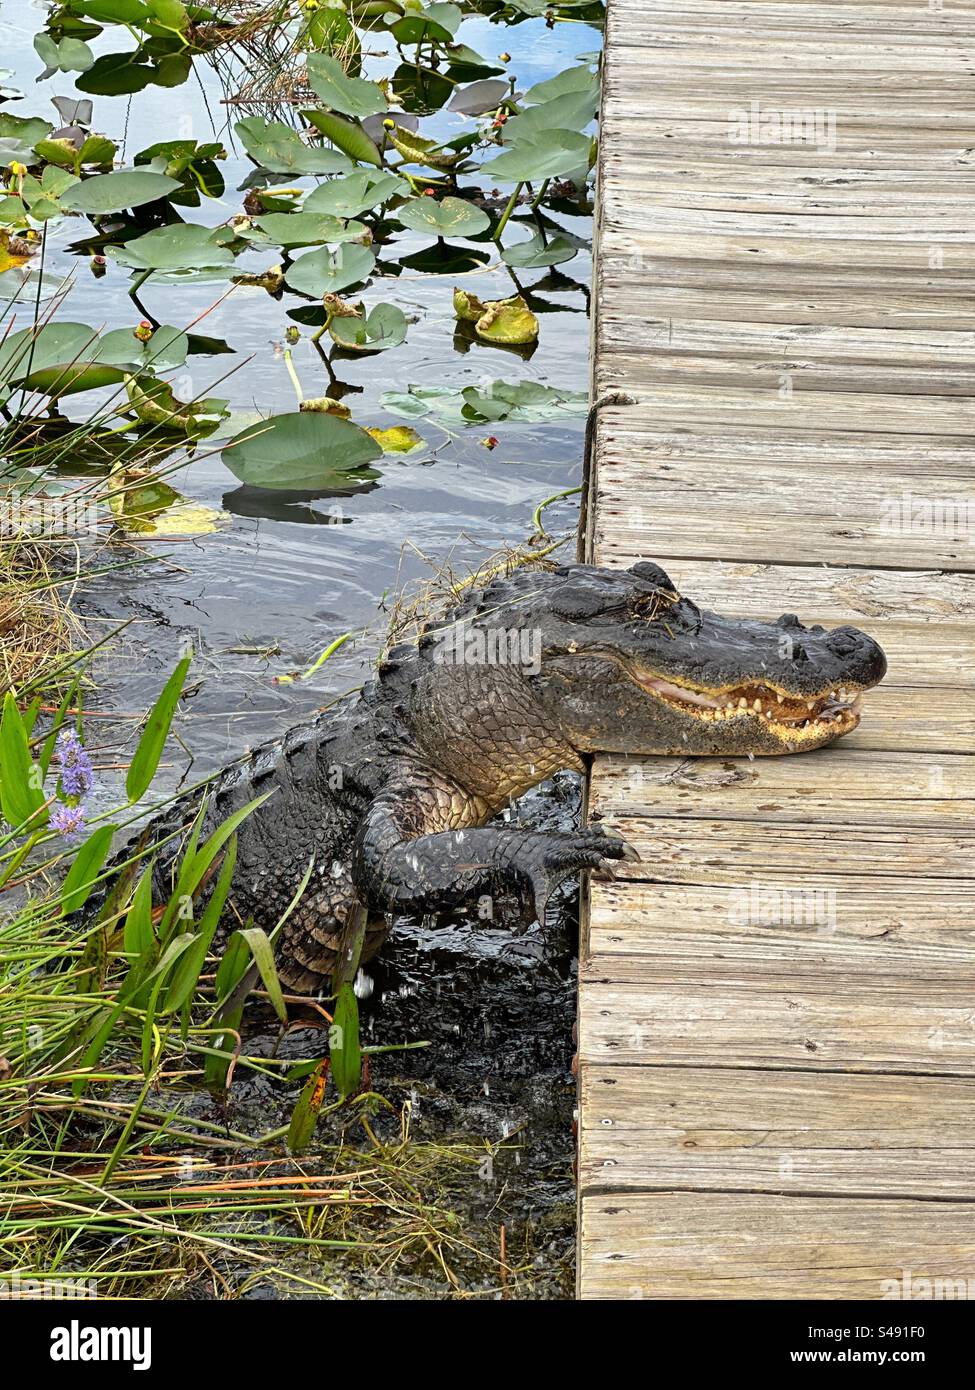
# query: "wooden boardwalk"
{"type": "Point", "coordinates": [774, 1108]}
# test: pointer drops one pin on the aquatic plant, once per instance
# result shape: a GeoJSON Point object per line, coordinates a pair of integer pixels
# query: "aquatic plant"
{"type": "Point", "coordinates": [338, 172]}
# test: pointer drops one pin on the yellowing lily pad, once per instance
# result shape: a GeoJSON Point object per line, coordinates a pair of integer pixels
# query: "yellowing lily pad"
{"type": "Point", "coordinates": [417, 149]}
{"type": "Point", "coordinates": [398, 439]}
{"type": "Point", "coordinates": [325, 405]}
{"type": "Point", "coordinates": [14, 251]}
{"type": "Point", "coordinates": [147, 506]}
{"type": "Point", "coordinates": [497, 320]}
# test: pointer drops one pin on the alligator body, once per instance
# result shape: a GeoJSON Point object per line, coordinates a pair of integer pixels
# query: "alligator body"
{"type": "Point", "coordinates": [390, 795]}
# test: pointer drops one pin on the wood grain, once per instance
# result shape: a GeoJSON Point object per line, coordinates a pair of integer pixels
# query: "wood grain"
{"type": "Point", "coordinates": [777, 1031]}
{"type": "Point", "coordinates": [695, 1245]}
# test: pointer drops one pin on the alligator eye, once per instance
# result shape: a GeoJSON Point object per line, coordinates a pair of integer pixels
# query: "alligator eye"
{"type": "Point", "coordinates": [799, 652]}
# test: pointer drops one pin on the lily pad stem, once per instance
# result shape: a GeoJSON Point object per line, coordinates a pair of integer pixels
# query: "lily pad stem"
{"type": "Point", "coordinates": [293, 375]}
{"type": "Point", "coordinates": [540, 531]}
{"type": "Point", "coordinates": [512, 204]}
{"type": "Point", "coordinates": [320, 332]}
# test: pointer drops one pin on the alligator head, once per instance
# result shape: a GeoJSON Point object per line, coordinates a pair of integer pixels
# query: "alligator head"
{"type": "Point", "coordinates": [630, 665]}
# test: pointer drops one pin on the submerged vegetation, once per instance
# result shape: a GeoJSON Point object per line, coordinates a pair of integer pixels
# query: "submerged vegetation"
{"type": "Point", "coordinates": [381, 150]}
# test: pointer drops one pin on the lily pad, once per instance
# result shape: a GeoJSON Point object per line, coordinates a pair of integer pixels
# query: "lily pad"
{"type": "Point", "coordinates": [352, 96]}
{"type": "Point", "coordinates": [323, 272]}
{"type": "Point", "coordinates": [384, 327]}
{"type": "Point", "coordinates": [346, 135]}
{"type": "Point", "coordinates": [480, 97]}
{"type": "Point", "coordinates": [574, 111]}
{"type": "Point", "coordinates": [299, 451]}
{"type": "Point", "coordinates": [542, 154]}
{"type": "Point", "coordinates": [14, 252]}
{"type": "Point", "coordinates": [524, 401]}
{"type": "Point", "coordinates": [448, 217]}
{"type": "Point", "coordinates": [355, 193]}
{"type": "Point", "coordinates": [116, 74]}
{"type": "Point", "coordinates": [70, 55]}
{"type": "Point", "coordinates": [508, 321]}
{"type": "Point", "coordinates": [125, 188]}
{"type": "Point", "coordinates": [306, 229]}
{"type": "Point", "coordinates": [181, 247]}
{"type": "Point", "coordinates": [276, 147]}
{"type": "Point", "coordinates": [535, 253]}
{"type": "Point", "coordinates": [417, 149]}
{"type": "Point", "coordinates": [435, 22]}
{"type": "Point", "coordinates": [398, 439]}
{"type": "Point", "coordinates": [63, 358]}
{"type": "Point", "coordinates": [575, 79]}
{"type": "Point", "coordinates": [154, 403]}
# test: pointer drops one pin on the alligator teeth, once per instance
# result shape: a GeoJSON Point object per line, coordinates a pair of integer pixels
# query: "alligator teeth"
{"type": "Point", "coordinates": [780, 698]}
{"type": "Point", "coordinates": [742, 703]}
{"type": "Point", "coordinates": [757, 706]}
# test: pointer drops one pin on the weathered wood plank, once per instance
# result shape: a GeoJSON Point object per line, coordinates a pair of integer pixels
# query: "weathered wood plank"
{"type": "Point", "coordinates": [815, 1015]}
{"type": "Point", "coordinates": [789, 914]}
{"type": "Point", "coordinates": [781, 1132]}
{"type": "Point", "coordinates": [725, 1245]}
{"type": "Point", "coordinates": [832, 786]}
{"type": "Point", "coordinates": [775, 1003]}
{"type": "Point", "coordinates": [709, 850]}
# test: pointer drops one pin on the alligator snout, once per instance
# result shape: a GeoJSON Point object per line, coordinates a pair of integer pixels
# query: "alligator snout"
{"type": "Point", "coordinates": [863, 657]}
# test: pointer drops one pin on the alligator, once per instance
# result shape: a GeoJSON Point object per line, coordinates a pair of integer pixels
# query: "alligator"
{"type": "Point", "coordinates": [389, 796]}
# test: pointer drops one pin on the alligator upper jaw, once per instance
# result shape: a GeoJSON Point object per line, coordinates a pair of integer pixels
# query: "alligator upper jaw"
{"type": "Point", "coordinates": [793, 718]}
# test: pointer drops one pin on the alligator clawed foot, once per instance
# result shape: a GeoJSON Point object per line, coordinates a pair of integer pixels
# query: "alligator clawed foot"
{"type": "Point", "coordinates": [563, 856]}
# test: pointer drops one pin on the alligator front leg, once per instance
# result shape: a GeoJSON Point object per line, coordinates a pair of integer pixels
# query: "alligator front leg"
{"type": "Point", "coordinates": [423, 847]}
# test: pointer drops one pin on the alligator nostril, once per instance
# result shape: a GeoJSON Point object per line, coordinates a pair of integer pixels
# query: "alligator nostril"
{"type": "Point", "coordinates": [842, 643]}
{"type": "Point", "coordinates": [789, 620]}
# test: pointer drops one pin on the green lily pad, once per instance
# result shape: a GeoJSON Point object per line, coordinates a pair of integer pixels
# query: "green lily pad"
{"type": "Point", "coordinates": [60, 359]}
{"type": "Point", "coordinates": [346, 135]}
{"type": "Point", "coordinates": [575, 79]}
{"type": "Point", "coordinates": [352, 96]}
{"type": "Point", "coordinates": [448, 217]}
{"type": "Point", "coordinates": [70, 55]}
{"type": "Point", "coordinates": [542, 154]}
{"type": "Point", "coordinates": [154, 403]}
{"type": "Point", "coordinates": [524, 401]}
{"type": "Point", "coordinates": [306, 229]}
{"type": "Point", "coordinates": [435, 22]}
{"type": "Point", "coordinates": [355, 193]}
{"type": "Point", "coordinates": [535, 254]}
{"type": "Point", "coordinates": [384, 327]}
{"type": "Point", "coordinates": [26, 129]}
{"type": "Point", "coordinates": [326, 272]}
{"type": "Point", "coordinates": [116, 74]}
{"type": "Point", "coordinates": [179, 248]}
{"type": "Point", "coordinates": [18, 135]}
{"type": "Point", "coordinates": [574, 111]}
{"type": "Point", "coordinates": [299, 451]}
{"type": "Point", "coordinates": [126, 188]}
{"type": "Point", "coordinates": [278, 148]}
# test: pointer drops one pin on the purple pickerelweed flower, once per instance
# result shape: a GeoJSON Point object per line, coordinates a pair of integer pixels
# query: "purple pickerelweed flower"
{"type": "Point", "coordinates": [77, 775]}
{"type": "Point", "coordinates": [68, 821]}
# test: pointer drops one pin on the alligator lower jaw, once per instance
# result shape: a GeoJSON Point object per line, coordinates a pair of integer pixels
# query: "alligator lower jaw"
{"type": "Point", "coordinates": [792, 718]}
